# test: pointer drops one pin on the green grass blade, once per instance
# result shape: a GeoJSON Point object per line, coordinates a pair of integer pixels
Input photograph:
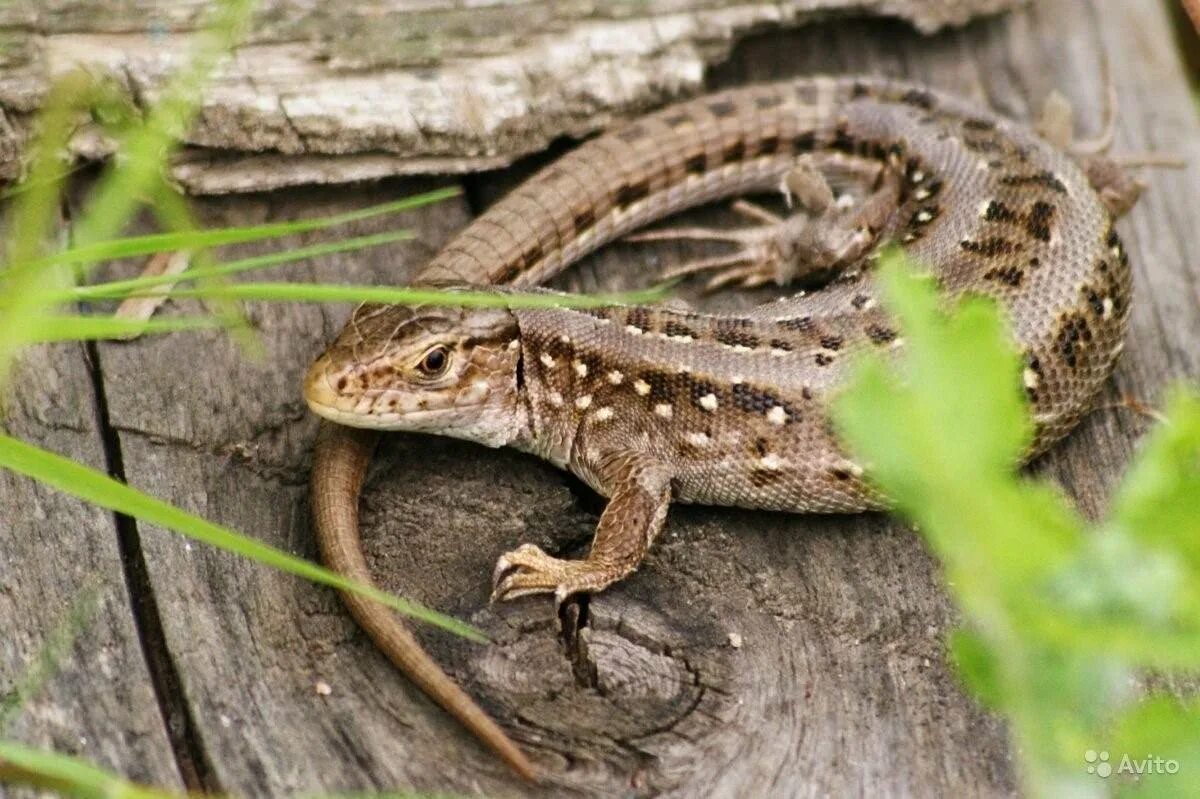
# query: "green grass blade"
{"type": "Point", "coordinates": [324, 292]}
{"type": "Point", "coordinates": [99, 489]}
{"type": "Point", "coordinates": [145, 148]}
{"type": "Point", "coordinates": [70, 776]}
{"type": "Point", "coordinates": [117, 289]}
{"type": "Point", "coordinates": [131, 246]}
{"type": "Point", "coordinates": [89, 328]}
{"type": "Point", "coordinates": [34, 215]}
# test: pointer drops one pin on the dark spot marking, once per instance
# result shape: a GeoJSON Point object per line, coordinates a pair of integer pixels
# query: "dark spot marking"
{"type": "Point", "coordinates": [769, 144]}
{"type": "Point", "coordinates": [697, 389]}
{"type": "Point", "coordinates": [735, 337]}
{"type": "Point", "coordinates": [722, 108]}
{"type": "Point", "coordinates": [532, 253]}
{"type": "Point", "coordinates": [768, 100]}
{"type": "Point", "coordinates": [677, 119]}
{"type": "Point", "coordinates": [632, 192]}
{"type": "Point", "coordinates": [860, 300]}
{"type": "Point", "coordinates": [762, 447]}
{"type": "Point", "coordinates": [758, 401]}
{"type": "Point", "coordinates": [1093, 300]}
{"type": "Point", "coordinates": [640, 318]}
{"type": "Point", "coordinates": [673, 327]}
{"type": "Point", "coordinates": [696, 164]}
{"type": "Point", "coordinates": [1045, 178]}
{"type": "Point", "coordinates": [839, 474]}
{"type": "Point", "coordinates": [859, 90]}
{"type": "Point", "coordinates": [823, 360]}
{"type": "Point", "coordinates": [735, 151]}
{"type": "Point", "coordinates": [761, 478]}
{"type": "Point", "coordinates": [806, 392]}
{"type": "Point", "coordinates": [1037, 221]}
{"type": "Point", "coordinates": [799, 323]}
{"type": "Point", "coordinates": [660, 386]}
{"type": "Point", "coordinates": [584, 219]}
{"type": "Point", "coordinates": [990, 247]}
{"type": "Point", "coordinates": [781, 344]}
{"type": "Point", "coordinates": [341, 384]}
{"type": "Point", "coordinates": [1010, 275]}
{"type": "Point", "coordinates": [1073, 332]}
{"type": "Point", "coordinates": [997, 211]}
{"type": "Point", "coordinates": [843, 141]}
{"type": "Point", "coordinates": [981, 144]}
{"type": "Point", "coordinates": [804, 142]}
{"type": "Point", "coordinates": [1035, 261]}
{"type": "Point", "coordinates": [880, 334]}
{"type": "Point", "coordinates": [976, 123]}
{"type": "Point", "coordinates": [832, 342]}
{"type": "Point", "coordinates": [919, 98]}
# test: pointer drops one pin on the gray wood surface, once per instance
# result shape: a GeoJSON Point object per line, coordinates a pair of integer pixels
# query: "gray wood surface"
{"type": "Point", "coordinates": [840, 685]}
{"type": "Point", "coordinates": [338, 92]}
{"type": "Point", "coordinates": [100, 702]}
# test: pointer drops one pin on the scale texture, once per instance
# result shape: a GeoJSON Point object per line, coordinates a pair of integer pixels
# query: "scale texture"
{"type": "Point", "coordinates": [652, 405]}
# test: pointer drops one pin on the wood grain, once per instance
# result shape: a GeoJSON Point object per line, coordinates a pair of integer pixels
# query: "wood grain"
{"type": "Point", "coordinates": [840, 683]}
{"type": "Point", "coordinates": [341, 92]}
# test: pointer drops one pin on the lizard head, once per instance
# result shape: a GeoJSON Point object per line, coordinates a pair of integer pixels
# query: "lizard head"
{"type": "Point", "coordinates": [450, 371]}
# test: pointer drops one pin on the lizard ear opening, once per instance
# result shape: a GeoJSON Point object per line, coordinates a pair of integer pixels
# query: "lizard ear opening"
{"type": "Point", "coordinates": [521, 370]}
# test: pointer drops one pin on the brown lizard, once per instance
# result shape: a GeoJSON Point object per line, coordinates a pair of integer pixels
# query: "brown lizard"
{"type": "Point", "coordinates": [651, 406]}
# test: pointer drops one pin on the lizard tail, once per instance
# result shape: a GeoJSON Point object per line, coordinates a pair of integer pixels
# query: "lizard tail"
{"type": "Point", "coordinates": [340, 464]}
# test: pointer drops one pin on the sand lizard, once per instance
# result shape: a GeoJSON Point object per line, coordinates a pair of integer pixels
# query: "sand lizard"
{"type": "Point", "coordinates": [653, 405]}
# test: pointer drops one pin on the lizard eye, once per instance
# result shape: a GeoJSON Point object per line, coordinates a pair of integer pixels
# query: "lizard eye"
{"type": "Point", "coordinates": [434, 362]}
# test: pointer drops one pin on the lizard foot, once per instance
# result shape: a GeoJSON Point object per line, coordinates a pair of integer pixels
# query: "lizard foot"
{"type": "Point", "coordinates": [528, 570]}
{"type": "Point", "coordinates": [756, 259]}
{"type": "Point", "coordinates": [826, 233]}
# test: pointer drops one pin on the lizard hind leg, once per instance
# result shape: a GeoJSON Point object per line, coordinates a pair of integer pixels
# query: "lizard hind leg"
{"type": "Point", "coordinates": [632, 520]}
{"type": "Point", "coordinates": [825, 234]}
{"type": "Point", "coordinates": [1108, 173]}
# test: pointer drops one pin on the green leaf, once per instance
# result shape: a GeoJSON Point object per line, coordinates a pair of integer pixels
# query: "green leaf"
{"type": "Point", "coordinates": [71, 776]}
{"type": "Point", "coordinates": [1161, 737]}
{"type": "Point", "coordinates": [1159, 502]}
{"type": "Point", "coordinates": [977, 667]}
{"type": "Point", "coordinates": [1058, 617]}
{"type": "Point", "coordinates": [78, 480]}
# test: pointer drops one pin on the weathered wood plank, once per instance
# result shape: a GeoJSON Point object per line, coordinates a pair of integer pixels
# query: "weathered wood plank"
{"type": "Point", "coordinates": [840, 684]}
{"type": "Point", "coordinates": [100, 703]}
{"type": "Point", "coordinates": [336, 93]}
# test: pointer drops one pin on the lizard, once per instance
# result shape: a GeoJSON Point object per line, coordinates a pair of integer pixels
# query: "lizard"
{"type": "Point", "coordinates": [655, 405]}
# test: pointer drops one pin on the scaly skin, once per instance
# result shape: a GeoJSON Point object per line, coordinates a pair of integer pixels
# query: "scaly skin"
{"type": "Point", "coordinates": [651, 406]}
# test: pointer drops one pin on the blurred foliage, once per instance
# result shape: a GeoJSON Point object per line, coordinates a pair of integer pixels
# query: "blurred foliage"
{"type": "Point", "coordinates": [1062, 618]}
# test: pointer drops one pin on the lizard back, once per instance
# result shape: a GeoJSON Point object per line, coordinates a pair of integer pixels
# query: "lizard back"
{"type": "Point", "coordinates": [737, 401]}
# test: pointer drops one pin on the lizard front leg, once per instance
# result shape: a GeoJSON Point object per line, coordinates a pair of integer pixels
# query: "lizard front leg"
{"type": "Point", "coordinates": [640, 496]}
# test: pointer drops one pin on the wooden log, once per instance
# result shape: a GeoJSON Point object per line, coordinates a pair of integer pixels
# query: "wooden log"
{"type": "Point", "coordinates": [753, 654]}
{"type": "Point", "coordinates": [335, 93]}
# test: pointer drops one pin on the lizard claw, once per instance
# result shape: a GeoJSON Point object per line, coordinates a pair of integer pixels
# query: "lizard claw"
{"type": "Point", "coordinates": [528, 570]}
